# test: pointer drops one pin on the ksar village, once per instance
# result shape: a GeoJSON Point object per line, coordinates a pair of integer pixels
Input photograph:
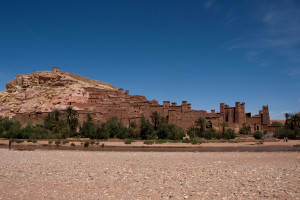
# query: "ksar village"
{"type": "Point", "coordinates": [149, 100]}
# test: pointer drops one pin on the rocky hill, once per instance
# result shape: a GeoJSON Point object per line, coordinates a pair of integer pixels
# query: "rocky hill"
{"type": "Point", "coordinates": [45, 91]}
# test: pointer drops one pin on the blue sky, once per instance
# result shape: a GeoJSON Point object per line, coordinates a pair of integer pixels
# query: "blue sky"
{"type": "Point", "coordinates": [205, 52]}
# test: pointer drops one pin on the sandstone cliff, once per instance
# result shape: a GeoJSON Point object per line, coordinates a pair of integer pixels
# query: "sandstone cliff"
{"type": "Point", "coordinates": [45, 91]}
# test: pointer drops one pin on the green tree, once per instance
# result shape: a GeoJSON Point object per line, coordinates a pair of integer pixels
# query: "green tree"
{"type": "Point", "coordinates": [57, 114]}
{"type": "Point", "coordinates": [155, 117]}
{"type": "Point", "coordinates": [146, 129]}
{"type": "Point", "coordinates": [72, 119]}
{"type": "Point", "coordinates": [202, 123]}
{"type": "Point", "coordinates": [224, 125]}
{"type": "Point", "coordinates": [245, 130]}
{"type": "Point", "coordinates": [88, 128]}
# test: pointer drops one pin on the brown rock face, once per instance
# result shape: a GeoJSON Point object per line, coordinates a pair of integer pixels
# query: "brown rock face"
{"type": "Point", "coordinates": [46, 91]}
{"type": "Point", "coordinates": [33, 96]}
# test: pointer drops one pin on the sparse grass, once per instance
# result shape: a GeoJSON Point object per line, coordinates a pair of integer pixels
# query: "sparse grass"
{"type": "Point", "coordinates": [175, 141]}
{"type": "Point", "coordinates": [128, 141]}
{"type": "Point", "coordinates": [160, 141]}
{"type": "Point", "coordinates": [65, 141]}
{"type": "Point", "coordinates": [149, 142]}
{"type": "Point", "coordinates": [186, 140]}
{"type": "Point", "coordinates": [260, 143]}
{"type": "Point", "coordinates": [232, 141]}
{"type": "Point", "coordinates": [97, 143]}
{"type": "Point", "coordinates": [19, 141]}
{"type": "Point", "coordinates": [196, 141]}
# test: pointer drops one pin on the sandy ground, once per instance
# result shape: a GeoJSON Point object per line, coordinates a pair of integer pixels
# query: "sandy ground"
{"type": "Point", "coordinates": [120, 143]}
{"type": "Point", "coordinates": [149, 175]}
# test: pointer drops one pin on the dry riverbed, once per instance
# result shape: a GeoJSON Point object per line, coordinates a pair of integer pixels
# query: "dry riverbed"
{"type": "Point", "coordinates": [149, 175]}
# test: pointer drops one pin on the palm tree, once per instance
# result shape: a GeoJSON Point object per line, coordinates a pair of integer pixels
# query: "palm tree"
{"type": "Point", "coordinates": [294, 121]}
{"type": "Point", "coordinates": [224, 125]}
{"type": "Point", "coordinates": [72, 118]}
{"type": "Point", "coordinates": [202, 123]}
{"type": "Point", "coordinates": [56, 115]}
{"type": "Point", "coordinates": [155, 117]}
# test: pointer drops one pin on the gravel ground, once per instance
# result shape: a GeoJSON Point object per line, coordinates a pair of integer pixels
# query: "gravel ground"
{"type": "Point", "coordinates": [149, 175]}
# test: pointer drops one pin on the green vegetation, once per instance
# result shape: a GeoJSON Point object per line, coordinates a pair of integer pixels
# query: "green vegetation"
{"type": "Point", "coordinates": [86, 144]}
{"type": "Point", "coordinates": [277, 123]}
{"type": "Point", "coordinates": [245, 130]}
{"type": "Point", "coordinates": [50, 142]}
{"type": "Point", "coordinates": [72, 144]}
{"type": "Point", "coordinates": [65, 141]}
{"type": "Point", "coordinates": [149, 142]}
{"type": "Point", "coordinates": [128, 141]}
{"type": "Point", "coordinates": [291, 128]}
{"type": "Point", "coordinates": [258, 135]}
{"type": "Point", "coordinates": [60, 125]}
{"type": "Point", "coordinates": [160, 141]}
{"type": "Point", "coordinates": [57, 142]}
{"type": "Point", "coordinates": [202, 130]}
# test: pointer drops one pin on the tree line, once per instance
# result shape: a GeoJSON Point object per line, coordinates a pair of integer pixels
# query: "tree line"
{"type": "Point", "coordinates": [62, 125]}
{"type": "Point", "coordinates": [65, 124]}
{"type": "Point", "coordinates": [291, 127]}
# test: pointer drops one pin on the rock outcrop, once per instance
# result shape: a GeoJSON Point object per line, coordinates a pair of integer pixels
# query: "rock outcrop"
{"type": "Point", "coordinates": [45, 91]}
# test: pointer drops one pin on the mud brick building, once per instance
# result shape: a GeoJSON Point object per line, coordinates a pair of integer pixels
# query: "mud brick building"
{"type": "Point", "coordinates": [33, 96]}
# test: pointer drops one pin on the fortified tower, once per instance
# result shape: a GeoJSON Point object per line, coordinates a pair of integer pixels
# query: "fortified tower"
{"type": "Point", "coordinates": [239, 113]}
{"type": "Point", "coordinates": [265, 116]}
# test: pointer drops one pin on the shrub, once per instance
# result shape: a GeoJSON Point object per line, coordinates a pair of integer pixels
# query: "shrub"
{"type": "Point", "coordinates": [257, 135]}
{"type": "Point", "coordinates": [218, 135]}
{"type": "Point", "coordinates": [73, 144]}
{"type": "Point", "coordinates": [57, 142]}
{"type": "Point", "coordinates": [265, 132]}
{"type": "Point", "coordinates": [93, 142]}
{"type": "Point", "coordinates": [285, 132]}
{"type": "Point", "coordinates": [186, 140]}
{"type": "Point", "coordinates": [160, 141]}
{"type": "Point", "coordinates": [86, 144]}
{"type": "Point", "coordinates": [148, 142]}
{"type": "Point", "coordinates": [209, 133]}
{"type": "Point", "coordinates": [97, 143]}
{"type": "Point", "coordinates": [146, 129]}
{"type": "Point", "coordinates": [65, 141]}
{"type": "Point", "coordinates": [229, 134]}
{"type": "Point", "coordinates": [245, 130]}
{"type": "Point", "coordinates": [196, 142]}
{"type": "Point", "coordinates": [19, 141]}
{"type": "Point", "coordinates": [102, 145]}
{"type": "Point", "coordinates": [34, 141]}
{"type": "Point", "coordinates": [129, 141]}
{"type": "Point", "coordinates": [29, 140]}
{"type": "Point", "coordinates": [192, 132]}
{"type": "Point", "coordinates": [50, 142]}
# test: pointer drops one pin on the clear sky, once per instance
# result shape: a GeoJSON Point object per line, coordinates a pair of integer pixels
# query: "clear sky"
{"type": "Point", "coordinates": [205, 52]}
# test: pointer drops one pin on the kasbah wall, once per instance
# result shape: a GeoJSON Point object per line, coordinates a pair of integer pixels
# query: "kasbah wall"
{"type": "Point", "coordinates": [103, 104]}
